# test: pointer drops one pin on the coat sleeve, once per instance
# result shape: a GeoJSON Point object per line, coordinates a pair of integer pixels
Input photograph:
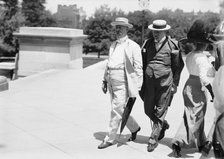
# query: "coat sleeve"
{"type": "Point", "coordinates": [105, 76]}
{"type": "Point", "coordinates": [177, 64]}
{"type": "Point", "coordinates": [219, 58]}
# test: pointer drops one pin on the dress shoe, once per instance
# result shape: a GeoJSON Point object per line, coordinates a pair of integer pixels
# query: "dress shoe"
{"type": "Point", "coordinates": [151, 146]}
{"type": "Point", "coordinates": [206, 148]}
{"type": "Point", "coordinates": [104, 145]}
{"type": "Point", "coordinates": [176, 150]}
{"type": "Point", "coordinates": [218, 151]}
{"type": "Point", "coordinates": [134, 134]}
{"type": "Point", "coordinates": [164, 128]}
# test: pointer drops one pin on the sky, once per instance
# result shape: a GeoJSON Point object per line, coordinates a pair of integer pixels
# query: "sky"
{"type": "Point", "coordinates": [89, 6]}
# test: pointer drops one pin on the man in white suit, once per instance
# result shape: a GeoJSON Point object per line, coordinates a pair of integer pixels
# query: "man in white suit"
{"type": "Point", "coordinates": [123, 79]}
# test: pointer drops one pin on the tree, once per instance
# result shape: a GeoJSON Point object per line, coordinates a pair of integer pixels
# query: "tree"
{"type": "Point", "coordinates": [212, 20]}
{"type": "Point", "coordinates": [35, 13]}
{"type": "Point", "coordinates": [100, 33]}
{"type": "Point", "coordinates": [10, 21]}
{"type": "Point", "coordinates": [137, 18]}
{"type": "Point", "coordinates": [99, 30]}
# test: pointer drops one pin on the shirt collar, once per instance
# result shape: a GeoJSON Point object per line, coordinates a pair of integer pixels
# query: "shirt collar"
{"type": "Point", "coordinates": [158, 42]}
{"type": "Point", "coordinates": [122, 40]}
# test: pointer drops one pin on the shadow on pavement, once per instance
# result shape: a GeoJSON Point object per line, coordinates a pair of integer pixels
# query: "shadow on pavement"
{"type": "Point", "coordinates": [121, 139]}
{"type": "Point", "coordinates": [99, 135]}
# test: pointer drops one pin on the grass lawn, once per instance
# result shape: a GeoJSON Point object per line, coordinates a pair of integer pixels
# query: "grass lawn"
{"type": "Point", "coordinates": [87, 61]}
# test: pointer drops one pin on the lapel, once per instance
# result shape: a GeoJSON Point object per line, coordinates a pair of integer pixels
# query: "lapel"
{"type": "Point", "coordinates": [127, 57]}
{"type": "Point", "coordinates": [130, 72]}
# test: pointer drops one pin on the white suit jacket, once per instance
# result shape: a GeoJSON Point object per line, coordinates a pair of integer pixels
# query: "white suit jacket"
{"type": "Point", "coordinates": [133, 67]}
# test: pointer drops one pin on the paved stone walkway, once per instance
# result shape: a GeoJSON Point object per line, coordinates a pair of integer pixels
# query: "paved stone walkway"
{"type": "Point", "coordinates": [63, 114]}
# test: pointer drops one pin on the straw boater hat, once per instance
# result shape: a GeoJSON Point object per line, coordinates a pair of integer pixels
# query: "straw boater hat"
{"type": "Point", "coordinates": [122, 21]}
{"type": "Point", "coordinates": [159, 25]}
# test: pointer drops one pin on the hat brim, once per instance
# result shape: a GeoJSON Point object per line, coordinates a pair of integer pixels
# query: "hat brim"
{"type": "Point", "coordinates": [190, 40]}
{"type": "Point", "coordinates": [162, 29]}
{"type": "Point", "coordinates": [123, 24]}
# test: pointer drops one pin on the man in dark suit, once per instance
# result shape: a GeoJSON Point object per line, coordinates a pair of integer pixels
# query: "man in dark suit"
{"type": "Point", "coordinates": [162, 65]}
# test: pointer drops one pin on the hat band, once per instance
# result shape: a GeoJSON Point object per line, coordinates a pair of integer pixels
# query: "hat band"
{"type": "Point", "coordinates": [159, 26]}
{"type": "Point", "coordinates": [121, 22]}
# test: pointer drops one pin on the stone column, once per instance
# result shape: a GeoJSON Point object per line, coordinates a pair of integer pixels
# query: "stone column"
{"type": "Point", "coordinates": [44, 48]}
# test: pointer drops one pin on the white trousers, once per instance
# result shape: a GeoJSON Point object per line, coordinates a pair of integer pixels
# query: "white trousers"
{"type": "Point", "coordinates": [117, 85]}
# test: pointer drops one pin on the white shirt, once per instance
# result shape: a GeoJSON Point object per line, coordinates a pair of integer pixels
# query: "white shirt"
{"type": "Point", "coordinates": [199, 65]}
{"type": "Point", "coordinates": [116, 54]}
{"type": "Point", "coordinates": [159, 43]}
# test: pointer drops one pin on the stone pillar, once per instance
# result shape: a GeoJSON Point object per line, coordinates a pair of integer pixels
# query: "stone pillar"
{"type": "Point", "coordinates": [44, 48]}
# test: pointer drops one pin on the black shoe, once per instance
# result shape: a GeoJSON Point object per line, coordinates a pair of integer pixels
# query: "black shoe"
{"type": "Point", "coordinates": [104, 145]}
{"type": "Point", "coordinates": [176, 150]}
{"type": "Point", "coordinates": [206, 148]}
{"type": "Point", "coordinates": [134, 134]}
{"type": "Point", "coordinates": [164, 128]}
{"type": "Point", "coordinates": [151, 147]}
{"type": "Point", "coordinates": [218, 151]}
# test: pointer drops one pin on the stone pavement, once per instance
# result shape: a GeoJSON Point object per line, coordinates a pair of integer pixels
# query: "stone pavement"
{"type": "Point", "coordinates": [63, 114]}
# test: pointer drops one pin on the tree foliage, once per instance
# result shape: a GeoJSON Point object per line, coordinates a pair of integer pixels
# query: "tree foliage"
{"type": "Point", "coordinates": [98, 27]}
{"type": "Point", "coordinates": [10, 21]}
{"type": "Point", "coordinates": [100, 32]}
{"type": "Point", "coordinates": [12, 17]}
{"type": "Point", "coordinates": [35, 14]}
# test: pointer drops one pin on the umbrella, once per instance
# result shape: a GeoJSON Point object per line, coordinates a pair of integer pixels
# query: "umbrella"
{"type": "Point", "coordinates": [126, 113]}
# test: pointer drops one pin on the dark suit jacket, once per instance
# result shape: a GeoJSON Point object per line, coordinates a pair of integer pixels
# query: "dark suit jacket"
{"type": "Point", "coordinates": [168, 57]}
{"type": "Point", "coordinates": [175, 58]}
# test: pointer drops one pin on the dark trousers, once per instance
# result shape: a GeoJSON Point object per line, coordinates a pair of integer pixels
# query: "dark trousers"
{"type": "Point", "coordinates": [156, 100]}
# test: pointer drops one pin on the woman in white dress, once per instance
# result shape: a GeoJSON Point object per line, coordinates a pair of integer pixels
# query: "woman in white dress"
{"type": "Point", "coordinates": [191, 133]}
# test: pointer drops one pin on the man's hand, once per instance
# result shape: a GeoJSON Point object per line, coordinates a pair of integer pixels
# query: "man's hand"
{"type": "Point", "coordinates": [104, 87]}
{"type": "Point", "coordinates": [174, 89]}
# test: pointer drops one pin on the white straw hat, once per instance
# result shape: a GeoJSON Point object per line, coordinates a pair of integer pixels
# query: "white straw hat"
{"type": "Point", "coordinates": [121, 21]}
{"type": "Point", "coordinates": [159, 25]}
